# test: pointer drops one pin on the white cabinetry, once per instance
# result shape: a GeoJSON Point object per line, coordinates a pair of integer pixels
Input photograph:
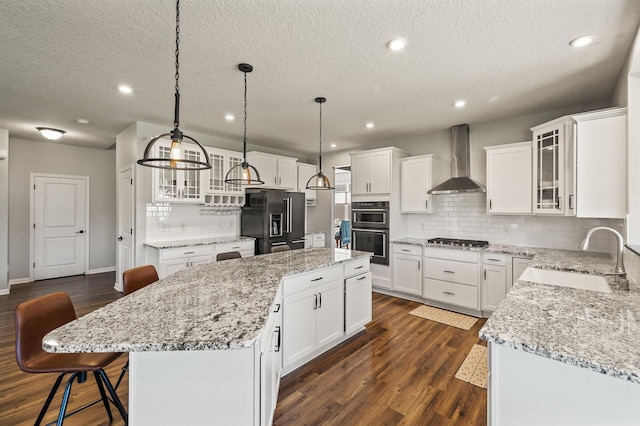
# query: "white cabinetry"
{"type": "Point", "coordinates": [371, 171]}
{"type": "Point", "coordinates": [275, 171]}
{"type": "Point", "coordinates": [451, 277]}
{"type": "Point", "coordinates": [357, 294]}
{"type": "Point", "coordinates": [417, 176]}
{"type": "Point", "coordinates": [313, 314]}
{"type": "Point", "coordinates": [271, 362]}
{"type": "Point", "coordinates": [318, 240]}
{"type": "Point", "coordinates": [171, 260]}
{"type": "Point", "coordinates": [245, 248]}
{"type": "Point", "coordinates": [519, 264]}
{"type": "Point", "coordinates": [407, 269]}
{"type": "Point", "coordinates": [177, 186]}
{"type": "Point", "coordinates": [509, 171]}
{"type": "Point", "coordinates": [494, 280]}
{"type": "Point", "coordinates": [217, 191]}
{"type": "Point", "coordinates": [305, 171]}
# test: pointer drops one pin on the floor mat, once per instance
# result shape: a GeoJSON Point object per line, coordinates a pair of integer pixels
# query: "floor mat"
{"type": "Point", "coordinates": [464, 322]}
{"type": "Point", "coordinates": [474, 369]}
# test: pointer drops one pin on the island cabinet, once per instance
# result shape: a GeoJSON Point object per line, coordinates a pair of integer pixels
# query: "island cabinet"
{"type": "Point", "coordinates": [357, 294]}
{"type": "Point", "coordinates": [509, 170]}
{"type": "Point", "coordinates": [313, 314]}
{"type": "Point", "coordinates": [171, 260]}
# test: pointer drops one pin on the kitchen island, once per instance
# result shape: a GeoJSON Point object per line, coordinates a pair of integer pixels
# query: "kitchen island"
{"type": "Point", "coordinates": [204, 343]}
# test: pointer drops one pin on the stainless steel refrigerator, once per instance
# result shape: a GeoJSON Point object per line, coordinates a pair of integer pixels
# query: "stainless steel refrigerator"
{"type": "Point", "coordinates": [274, 218]}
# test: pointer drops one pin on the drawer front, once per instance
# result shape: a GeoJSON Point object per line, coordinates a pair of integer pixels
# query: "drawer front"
{"type": "Point", "coordinates": [186, 252]}
{"type": "Point", "coordinates": [318, 237]}
{"type": "Point", "coordinates": [452, 271]}
{"type": "Point", "coordinates": [454, 294]}
{"type": "Point", "coordinates": [356, 267]}
{"type": "Point", "coordinates": [451, 254]}
{"type": "Point", "coordinates": [494, 259]}
{"type": "Point", "coordinates": [240, 246]}
{"type": "Point", "coordinates": [407, 249]}
{"type": "Point", "coordinates": [308, 280]}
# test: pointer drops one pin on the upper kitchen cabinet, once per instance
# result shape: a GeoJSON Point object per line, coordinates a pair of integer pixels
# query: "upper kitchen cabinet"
{"type": "Point", "coordinates": [177, 186]}
{"type": "Point", "coordinates": [417, 175]}
{"type": "Point", "coordinates": [600, 152]}
{"type": "Point", "coordinates": [217, 191]}
{"type": "Point", "coordinates": [372, 171]}
{"type": "Point", "coordinates": [579, 165]}
{"type": "Point", "coordinates": [509, 171]}
{"type": "Point", "coordinates": [276, 171]}
{"type": "Point", "coordinates": [305, 171]}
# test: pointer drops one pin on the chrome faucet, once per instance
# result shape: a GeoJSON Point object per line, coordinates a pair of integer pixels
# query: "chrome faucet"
{"type": "Point", "coordinates": [619, 273]}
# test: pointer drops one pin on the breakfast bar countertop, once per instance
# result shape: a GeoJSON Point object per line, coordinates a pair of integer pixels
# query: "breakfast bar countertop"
{"type": "Point", "coordinates": [196, 242]}
{"type": "Point", "coordinates": [220, 305]}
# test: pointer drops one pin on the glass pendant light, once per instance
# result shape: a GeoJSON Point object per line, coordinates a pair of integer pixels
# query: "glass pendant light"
{"type": "Point", "coordinates": [177, 159]}
{"type": "Point", "coordinates": [319, 180]}
{"type": "Point", "coordinates": [244, 173]}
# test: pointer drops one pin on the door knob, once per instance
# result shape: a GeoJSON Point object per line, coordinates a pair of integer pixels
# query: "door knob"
{"type": "Point", "coordinates": [119, 238]}
{"type": "Point", "coordinates": [80, 231]}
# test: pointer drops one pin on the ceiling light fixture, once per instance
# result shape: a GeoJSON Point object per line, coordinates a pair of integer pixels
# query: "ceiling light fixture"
{"type": "Point", "coordinates": [319, 180]}
{"type": "Point", "coordinates": [229, 117]}
{"type": "Point", "coordinates": [82, 121]}
{"type": "Point", "coordinates": [176, 159]}
{"type": "Point", "coordinates": [51, 133]}
{"type": "Point", "coordinates": [370, 125]}
{"type": "Point", "coordinates": [581, 41]}
{"type": "Point", "coordinates": [459, 104]}
{"type": "Point", "coordinates": [244, 173]}
{"type": "Point", "coordinates": [333, 145]}
{"type": "Point", "coordinates": [397, 44]}
{"type": "Point", "coordinates": [125, 89]}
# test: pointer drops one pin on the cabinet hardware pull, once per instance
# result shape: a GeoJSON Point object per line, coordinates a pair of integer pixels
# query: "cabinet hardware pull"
{"type": "Point", "coordinates": [315, 301]}
{"type": "Point", "coordinates": [558, 203]}
{"type": "Point", "coordinates": [189, 252]}
{"type": "Point", "coordinates": [449, 293]}
{"type": "Point", "coordinates": [493, 260]}
{"type": "Point", "coordinates": [361, 278]}
{"type": "Point", "coordinates": [489, 204]}
{"type": "Point", "coordinates": [319, 300]}
{"type": "Point", "coordinates": [276, 308]}
{"type": "Point", "coordinates": [571, 202]}
{"type": "Point", "coordinates": [406, 250]}
{"type": "Point", "coordinates": [359, 267]}
{"type": "Point", "coordinates": [317, 279]}
{"type": "Point", "coordinates": [236, 247]}
{"type": "Point", "coordinates": [277, 330]}
{"type": "Point", "coordinates": [485, 274]}
{"type": "Point", "coordinates": [449, 272]}
{"type": "Point", "coordinates": [419, 261]}
{"type": "Point", "coordinates": [426, 204]}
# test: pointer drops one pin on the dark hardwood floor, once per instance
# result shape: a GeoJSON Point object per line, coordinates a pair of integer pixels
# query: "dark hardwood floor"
{"type": "Point", "coordinates": [399, 371]}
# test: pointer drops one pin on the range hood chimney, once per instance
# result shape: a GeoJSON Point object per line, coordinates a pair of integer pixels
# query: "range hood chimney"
{"type": "Point", "coordinates": [460, 165]}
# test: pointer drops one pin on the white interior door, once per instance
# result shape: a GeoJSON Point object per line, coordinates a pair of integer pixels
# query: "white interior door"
{"type": "Point", "coordinates": [60, 226]}
{"type": "Point", "coordinates": [125, 223]}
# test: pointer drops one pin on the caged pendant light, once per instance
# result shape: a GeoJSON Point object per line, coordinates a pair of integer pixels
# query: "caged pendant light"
{"type": "Point", "coordinates": [245, 173]}
{"type": "Point", "coordinates": [176, 159]}
{"type": "Point", "coordinates": [319, 180]}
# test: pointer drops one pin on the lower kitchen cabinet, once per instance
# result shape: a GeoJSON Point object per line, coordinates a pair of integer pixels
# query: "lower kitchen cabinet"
{"type": "Point", "coordinates": [407, 269]}
{"type": "Point", "coordinates": [519, 265]}
{"type": "Point", "coordinates": [451, 278]}
{"type": "Point", "coordinates": [271, 363]}
{"type": "Point", "coordinates": [357, 302]}
{"type": "Point", "coordinates": [171, 260]}
{"type": "Point", "coordinates": [494, 281]}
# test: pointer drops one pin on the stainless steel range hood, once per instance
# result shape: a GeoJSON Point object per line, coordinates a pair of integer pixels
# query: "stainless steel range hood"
{"type": "Point", "coordinates": [460, 165]}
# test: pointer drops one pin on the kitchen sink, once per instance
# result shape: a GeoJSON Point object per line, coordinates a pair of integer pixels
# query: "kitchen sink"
{"type": "Point", "coordinates": [566, 279]}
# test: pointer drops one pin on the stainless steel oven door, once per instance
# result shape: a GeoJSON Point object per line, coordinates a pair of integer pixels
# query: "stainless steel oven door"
{"type": "Point", "coordinates": [375, 241]}
{"type": "Point", "coordinates": [371, 218]}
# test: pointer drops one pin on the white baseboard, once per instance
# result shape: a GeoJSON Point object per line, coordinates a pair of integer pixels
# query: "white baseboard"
{"type": "Point", "coordinates": [101, 270]}
{"type": "Point", "coordinates": [4, 292]}
{"type": "Point", "coordinates": [19, 281]}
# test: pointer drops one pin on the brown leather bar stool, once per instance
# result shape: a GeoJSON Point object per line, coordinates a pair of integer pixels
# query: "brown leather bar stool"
{"type": "Point", "coordinates": [37, 317]}
{"type": "Point", "coordinates": [228, 255]}
{"type": "Point", "coordinates": [276, 249]}
{"type": "Point", "coordinates": [135, 278]}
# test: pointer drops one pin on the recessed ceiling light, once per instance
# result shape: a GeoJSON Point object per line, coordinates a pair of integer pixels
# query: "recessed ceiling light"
{"type": "Point", "coordinates": [229, 117]}
{"type": "Point", "coordinates": [125, 89]}
{"type": "Point", "coordinates": [51, 133]}
{"type": "Point", "coordinates": [370, 125]}
{"type": "Point", "coordinates": [581, 41]}
{"type": "Point", "coordinates": [459, 103]}
{"type": "Point", "coordinates": [82, 121]}
{"type": "Point", "coordinates": [333, 145]}
{"type": "Point", "coordinates": [397, 44]}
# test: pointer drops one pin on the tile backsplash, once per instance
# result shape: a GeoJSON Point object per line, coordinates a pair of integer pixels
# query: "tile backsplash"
{"type": "Point", "coordinates": [464, 216]}
{"type": "Point", "coordinates": [167, 221]}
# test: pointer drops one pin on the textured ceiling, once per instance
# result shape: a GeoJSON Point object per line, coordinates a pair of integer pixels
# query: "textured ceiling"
{"type": "Point", "coordinates": [63, 59]}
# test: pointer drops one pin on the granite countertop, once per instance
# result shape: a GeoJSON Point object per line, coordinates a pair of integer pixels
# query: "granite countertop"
{"type": "Point", "coordinates": [221, 305]}
{"type": "Point", "coordinates": [196, 242]}
{"type": "Point", "coordinates": [588, 329]}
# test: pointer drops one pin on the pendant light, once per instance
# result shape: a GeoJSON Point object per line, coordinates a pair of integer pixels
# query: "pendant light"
{"type": "Point", "coordinates": [319, 180]}
{"type": "Point", "coordinates": [245, 173]}
{"type": "Point", "coordinates": [176, 159]}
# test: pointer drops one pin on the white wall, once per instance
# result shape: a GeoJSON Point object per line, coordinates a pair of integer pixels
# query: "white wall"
{"type": "Point", "coordinates": [4, 215]}
{"type": "Point", "coordinates": [28, 157]}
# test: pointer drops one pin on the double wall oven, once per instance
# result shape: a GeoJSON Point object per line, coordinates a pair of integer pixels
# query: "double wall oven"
{"type": "Point", "coordinates": [370, 229]}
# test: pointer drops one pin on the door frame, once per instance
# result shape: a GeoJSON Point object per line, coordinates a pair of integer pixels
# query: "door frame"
{"type": "Point", "coordinates": [118, 282]}
{"type": "Point", "coordinates": [32, 215]}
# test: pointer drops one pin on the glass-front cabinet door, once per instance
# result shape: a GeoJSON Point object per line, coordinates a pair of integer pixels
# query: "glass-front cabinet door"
{"type": "Point", "coordinates": [549, 169]}
{"type": "Point", "coordinates": [177, 186]}
{"type": "Point", "coordinates": [217, 191]}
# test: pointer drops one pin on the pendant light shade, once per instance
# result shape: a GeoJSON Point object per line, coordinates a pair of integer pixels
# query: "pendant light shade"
{"type": "Point", "coordinates": [176, 159]}
{"type": "Point", "coordinates": [319, 180]}
{"type": "Point", "coordinates": [244, 173]}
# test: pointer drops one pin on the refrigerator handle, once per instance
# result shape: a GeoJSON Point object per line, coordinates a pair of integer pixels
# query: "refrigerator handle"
{"type": "Point", "coordinates": [289, 214]}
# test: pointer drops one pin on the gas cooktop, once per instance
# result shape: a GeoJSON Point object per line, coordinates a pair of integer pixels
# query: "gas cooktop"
{"type": "Point", "coordinates": [458, 242]}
